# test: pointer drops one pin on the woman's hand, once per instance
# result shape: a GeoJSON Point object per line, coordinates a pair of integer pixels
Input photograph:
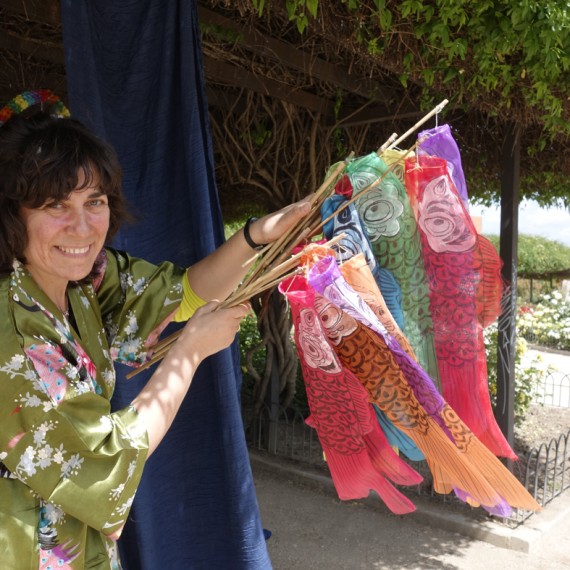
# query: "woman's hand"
{"type": "Point", "coordinates": [273, 226]}
{"type": "Point", "coordinates": [210, 329]}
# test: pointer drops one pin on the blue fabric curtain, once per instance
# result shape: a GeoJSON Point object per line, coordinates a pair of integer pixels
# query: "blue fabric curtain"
{"type": "Point", "coordinates": [135, 77]}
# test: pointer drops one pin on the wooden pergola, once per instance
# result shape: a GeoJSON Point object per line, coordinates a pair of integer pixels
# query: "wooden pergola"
{"type": "Point", "coordinates": [243, 55]}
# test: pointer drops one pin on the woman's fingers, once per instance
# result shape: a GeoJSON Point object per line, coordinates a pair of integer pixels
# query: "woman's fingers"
{"type": "Point", "coordinates": [211, 329]}
{"type": "Point", "coordinates": [273, 226]}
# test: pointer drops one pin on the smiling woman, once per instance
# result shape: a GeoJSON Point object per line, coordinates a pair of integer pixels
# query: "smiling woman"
{"type": "Point", "coordinates": [70, 307]}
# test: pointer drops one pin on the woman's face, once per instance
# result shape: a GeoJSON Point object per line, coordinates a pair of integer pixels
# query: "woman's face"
{"type": "Point", "coordinates": [64, 238]}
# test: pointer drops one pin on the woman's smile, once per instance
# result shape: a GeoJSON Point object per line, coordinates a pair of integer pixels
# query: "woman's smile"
{"type": "Point", "coordinates": [74, 250]}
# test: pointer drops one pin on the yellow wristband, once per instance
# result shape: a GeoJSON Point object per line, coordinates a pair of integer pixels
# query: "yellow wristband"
{"type": "Point", "coordinates": [190, 302]}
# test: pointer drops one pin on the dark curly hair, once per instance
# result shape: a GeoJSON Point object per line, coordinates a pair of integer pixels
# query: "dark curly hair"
{"type": "Point", "coordinates": [41, 158]}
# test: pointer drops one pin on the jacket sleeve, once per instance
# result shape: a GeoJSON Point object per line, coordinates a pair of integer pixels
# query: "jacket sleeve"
{"type": "Point", "coordinates": [137, 300]}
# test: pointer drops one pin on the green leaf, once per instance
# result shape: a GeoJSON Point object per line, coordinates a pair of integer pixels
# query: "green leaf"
{"type": "Point", "coordinates": [428, 76]}
{"type": "Point", "coordinates": [312, 6]}
{"type": "Point", "coordinates": [450, 75]}
{"type": "Point", "coordinates": [385, 18]}
{"type": "Point", "coordinates": [259, 5]}
{"type": "Point", "coordinates": [302, 22]}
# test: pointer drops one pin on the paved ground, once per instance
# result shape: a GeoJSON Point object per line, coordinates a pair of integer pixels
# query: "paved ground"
{"type": "Point", "coordinates": [557, 358]}
{"type": "Point", "coordinates": [313, 530]}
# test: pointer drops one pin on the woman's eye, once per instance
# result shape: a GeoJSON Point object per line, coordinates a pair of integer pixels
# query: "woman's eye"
{"type": "Point", "coordinates": [98, 202]}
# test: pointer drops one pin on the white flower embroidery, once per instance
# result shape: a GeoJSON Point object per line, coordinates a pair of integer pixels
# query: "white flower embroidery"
{"type": "Point", "coordinates": [112, 553]}
{"type": "Point", "coordinates": [131, 469]}
{"type": "Point", "coordinates": [41, 431]}
{"type": "Point", "coordinates": [44, 456]}
{"type": "Point", "coordinates": [126, 281]}
{"type": "Point", "coordinates": [108, 377]}
{"type": "Point", "coordinates": [133, 325]}
{"type": "Point", "coordinates": [71, 372]}
{"type": "Point", "coordinates": [14, 366]}
{"type": "Point", "coordinates": [27, 464]}
{"type": "Point", "coordinates": [125, 506]}
{"type": "Point", "coordinates": [30, 375]}
{"type": "Point", "coordinates": [131, 346]}
{"type": "Point", "coordinates": [58, 455]}
{"type": "Point", "coordinates": [176, 290]}
{"type": "Point", "coordinates": [30, 400]}
{"type": "Point", "coordinates": [115, 493]}
{"type": "Point", "coordinates": [54, 514]}
{"type": "Point", "coordinates": [140, 285]}
{"type": "Point", "coordinates": [72, 466]}
{"type": "Point", "coordinates": [83, 388]}
{"type": "Point", "coordinates": [38, 384]}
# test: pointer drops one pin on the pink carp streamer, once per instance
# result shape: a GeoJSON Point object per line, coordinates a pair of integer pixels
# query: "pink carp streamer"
{"type": "Point", "coordinates": [357, 452]}
{"type": "Point", "coordinates": [463, 273]}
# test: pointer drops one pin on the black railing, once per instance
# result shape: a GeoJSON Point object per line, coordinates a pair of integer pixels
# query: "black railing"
{"type": "Point", "coordinates": [554, 390]}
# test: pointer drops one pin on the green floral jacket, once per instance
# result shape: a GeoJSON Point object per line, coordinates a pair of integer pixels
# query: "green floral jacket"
{"type": "Point", "coordinates": [69, 468]}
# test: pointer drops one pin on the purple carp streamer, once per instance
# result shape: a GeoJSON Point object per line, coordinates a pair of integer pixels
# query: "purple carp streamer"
{"type": "Point", "coordinates": [440, 142]}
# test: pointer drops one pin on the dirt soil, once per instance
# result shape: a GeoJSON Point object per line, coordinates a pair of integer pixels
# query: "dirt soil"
{"type": "Point", "coordinates": [541, 424]}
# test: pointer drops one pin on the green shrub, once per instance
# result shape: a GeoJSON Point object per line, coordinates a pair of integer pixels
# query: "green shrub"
{"type": "Point", "coordinates": [250, 338]}
{"type": "Point", "coordinates": [529, 372]}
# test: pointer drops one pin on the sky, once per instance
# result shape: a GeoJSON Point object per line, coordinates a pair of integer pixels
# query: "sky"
{"type": "Point", "coordinates": [551, 223]}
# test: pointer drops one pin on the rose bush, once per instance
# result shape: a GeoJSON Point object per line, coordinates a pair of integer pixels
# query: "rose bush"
{"type": "Point", "coordinates": [548, 322]}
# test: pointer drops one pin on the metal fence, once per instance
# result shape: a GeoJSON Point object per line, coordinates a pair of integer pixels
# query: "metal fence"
{"type": "Point", "coordinates": [554, 390]}
{"type": "Point", "coordinates": [544, 471]}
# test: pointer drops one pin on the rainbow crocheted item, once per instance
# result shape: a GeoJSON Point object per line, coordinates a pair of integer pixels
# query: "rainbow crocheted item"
{"type": "Point", "coordinates": [29, 98]}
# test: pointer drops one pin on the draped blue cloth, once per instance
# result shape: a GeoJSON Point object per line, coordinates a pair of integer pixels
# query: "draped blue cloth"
{"type": "Point", "coordinates": [135, 77]}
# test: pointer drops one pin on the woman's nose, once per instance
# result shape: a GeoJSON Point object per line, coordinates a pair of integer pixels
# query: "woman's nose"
{"type": "Point", "coordinates": [79, 222]}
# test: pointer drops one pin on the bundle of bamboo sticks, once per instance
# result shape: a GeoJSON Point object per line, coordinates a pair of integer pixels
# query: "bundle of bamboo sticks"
{"type": "Point", "coordinates": [274, 262]}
